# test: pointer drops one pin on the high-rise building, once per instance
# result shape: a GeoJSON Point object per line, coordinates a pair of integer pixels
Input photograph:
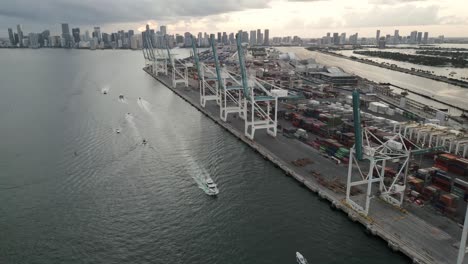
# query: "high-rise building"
{"type": "Point", "coordinates": [419, 37]}
{"type": "Point", "coordinates": [253, 37]}
{"type": "Point", "coordinates": [163, 30]}
{"type": "Point", "coordinates": [259, 37]}
{"type": "Point", "coordinates": [11, 36]}
{"type": "Point", "coordinates": [266, 40]}
{"type": "Point", "coordinates": [225, 38]}
{"type": "Point", "coordinates": [396, 36]}
{"type": "Point", "coordinates": [33, 40]}
{"type": "Point", "coordinates": [377, 36]}
{"type": "Point", "coordinates": [76, 35]}
{"type": "Point", "coordinates": [343, 38]}
{"type": "Point", "coordinates": [219, 40]}
{"type": "Point", "coordinates": [97, 33]}
{"type": "Point", "coordinates": [413, 37]}
{"type": "Point", "coordinates": [187, 39]}
{"type": "Point", "coordinates": [245, 36]}
{"type": "Point", "coordinates": [135, 42]}
{"type": "Point", "coordinates": [232, 39]}
{"type": "Point", "coordinates": [20, 35]}
{"type": "Point", "coordinates": [336, 39]}
{"type": "Point", "coordinates": [426, 37]}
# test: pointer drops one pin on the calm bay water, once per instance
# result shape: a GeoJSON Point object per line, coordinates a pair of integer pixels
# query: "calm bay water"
{"type": "Point", "coordinates": [74, 191]}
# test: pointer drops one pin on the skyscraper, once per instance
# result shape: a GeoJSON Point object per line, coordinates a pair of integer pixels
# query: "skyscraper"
{"type": "Point", "coordinates": [397, 36]}
{"type": "Point", "coordinates": [66, 35]}
{"type": "Point", "coordinates": [266, 40]}
{"type": "Point", "coordinates": [20, 35]}
{"type": "Point", "coordinates": [225, 38]}
{"type": "Point", "coordinates": [343, 38]}
{"type": "Point", "coordinates": [419, 37]}
{"type": "Point", "coordinates": [187, 39]}
{"type": "Point", "coordinates": [259, 37]}
{"type": "Point", "coordinates": [97, 33]}
{"type": "Point", "coordinates": [377, 36]}
{"type": "Point", "coordinates": [336, 39]}
{"type": "Point", "coordinates": [425, 38]}
{"type": "Point", "coordinates": [413, 37]}
{"type": "Point", "coordinates": [11, 36]}
{"type": "Point", "coordinates": [76, 34]}
{"type": "Point", "coordinates": [163, 30]}
{"type": "Point", "coordinates": [219, 37]}
{"type": "Point", "coordinates": [253, 37]}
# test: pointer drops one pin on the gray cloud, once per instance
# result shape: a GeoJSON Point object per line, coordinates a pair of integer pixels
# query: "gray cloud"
{"type": "Point", "coordinates": [86, 12]}
{"type": "Point", "coordinates": [394, 2]}
{"type": "Point", "coordinates": [401, 15]}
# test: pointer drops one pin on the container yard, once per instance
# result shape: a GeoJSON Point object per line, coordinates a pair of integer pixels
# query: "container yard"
{"type": "Point", "coordinates": [404, 177]}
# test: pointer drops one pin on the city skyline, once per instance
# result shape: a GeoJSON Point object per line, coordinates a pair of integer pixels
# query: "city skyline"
{"type": "Point", "coordinates": [303, 18]}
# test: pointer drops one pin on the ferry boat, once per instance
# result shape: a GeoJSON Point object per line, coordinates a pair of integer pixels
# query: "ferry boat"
{"type": "Point", "coordinates": [300, 259]}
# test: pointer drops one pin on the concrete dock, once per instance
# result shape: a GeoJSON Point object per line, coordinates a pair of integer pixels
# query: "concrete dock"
{"type": "Point", "coordinates": [421, 241]}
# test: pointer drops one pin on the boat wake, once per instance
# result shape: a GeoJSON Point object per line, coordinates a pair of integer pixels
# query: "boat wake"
{"type": "Point", "coordinates": [145, 105]}
{"type": "Point", "coordinates": [200, 175]}
{"type": "Point", "coordinates": [133, 126]}
{"type": "Point", "coordinates": [105, 89]}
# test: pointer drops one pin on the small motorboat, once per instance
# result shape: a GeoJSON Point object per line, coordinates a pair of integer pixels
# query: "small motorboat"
{"type": "Point", "coordinates": [212, 187]}
{"type": "Point", "coordinates": [144, 142]}
{"type": "Point", "coordinates": [105, 92]}
{"type": "Point", "coordinates": [139, 98]}
{"type": "Point", "coordinates": [300, 259]}
{"type": "Point", "coordinates": [121, 97]}
{"type": "Point", "coordinates": [117, 131]}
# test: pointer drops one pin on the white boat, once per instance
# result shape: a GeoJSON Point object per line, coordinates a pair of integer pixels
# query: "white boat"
{"type": "Point", "coordinates": [212, 188]}
{"type": "Point", "coordinates": [117, 131]}
{"type": "Point", "coordinates": [300, 259]}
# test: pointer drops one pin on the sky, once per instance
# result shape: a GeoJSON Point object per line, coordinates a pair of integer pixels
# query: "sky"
{"type": "Point", "coordinates": [305, 18]}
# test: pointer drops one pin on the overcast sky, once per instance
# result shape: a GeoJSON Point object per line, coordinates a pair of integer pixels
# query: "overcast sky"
{"type": "Point", "coordinates": [306, 18]}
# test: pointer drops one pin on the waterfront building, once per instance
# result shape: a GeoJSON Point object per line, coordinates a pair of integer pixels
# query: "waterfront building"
{"type": "Point", "coordinates": [20, 35]}
{"type": "Point", "coordinates": [97, 34]}
{"type": "Point", "coordinates": [425, 38]}
{"type": "Point", "coordinates": [33, 40]}
{"type": "Point", "coordinates": [336, 39]}
{"type": "Point", "coordinates": [419, 40]}
{"type": "Point", "coordinates": [413, 37]}
{"type": "Point", "coordinates": [382, 43]}
{"type": "Point", "coordinates": [187, 39]}
{"type": "Point", "coordinates": [343, 38]}
{"type": "Point", "coordinates": [396, 36]}
{"type": "Point", "coordinates": [377, 36]}
{"type": "Point", "coordinates": [76, 35]}
{"type": "Point", "coordinates": [11, 36]}
{"type": "Point", "coordinates": [66, 35]}
{"type": "Point", "coordinates": [266, 40]}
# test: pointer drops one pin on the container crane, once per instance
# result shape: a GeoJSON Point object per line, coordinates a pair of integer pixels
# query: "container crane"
{"type": "Point", "coordinates": [207, 79]}
{"type": "Point", "coordinates": [373, 154]}
{"type": "Point", "coordinates": [178, 68]}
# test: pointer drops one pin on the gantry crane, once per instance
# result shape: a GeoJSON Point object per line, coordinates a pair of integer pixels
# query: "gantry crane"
{"type": "Point", "coordinates": [373, 153]}
{"type": "Point", "coordinates": [178, 68]}
{"type": "Point", "coordinates": [207, 79]}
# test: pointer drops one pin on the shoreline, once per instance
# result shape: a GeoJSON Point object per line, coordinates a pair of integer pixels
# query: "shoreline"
{"type": "Point", "coordinates": [462, 84]}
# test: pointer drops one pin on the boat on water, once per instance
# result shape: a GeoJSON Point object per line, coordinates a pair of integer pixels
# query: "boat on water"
{"type": "Point", "coordinates": [300, 259]}
{"type": "Point", "coordinates": [117, 131]}
{"type": "Point", "coordinates": [104, 92]}
{"type": "Point", "coordinates": [121, 97]}
{"type": "Point", "coordinates": [144, 142]}
{"type": "Point", "coordinates": [211, 187]}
